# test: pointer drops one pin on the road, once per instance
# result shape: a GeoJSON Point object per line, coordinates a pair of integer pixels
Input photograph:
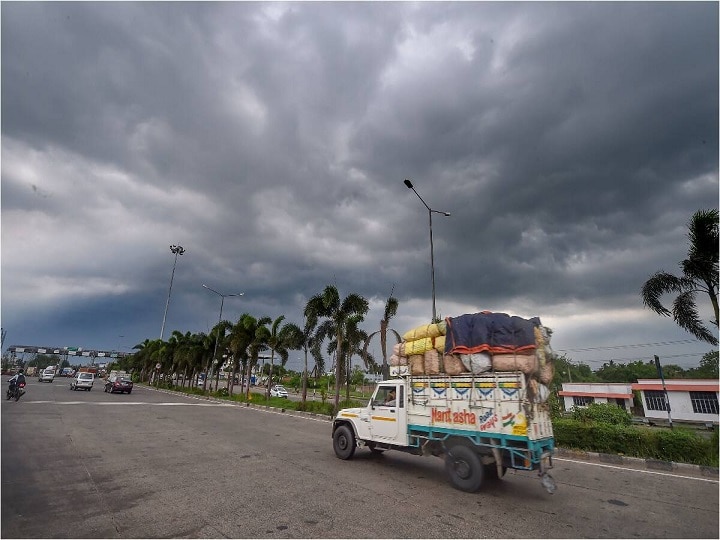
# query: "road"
{"type": "Point", "coordinates": [160, 465]}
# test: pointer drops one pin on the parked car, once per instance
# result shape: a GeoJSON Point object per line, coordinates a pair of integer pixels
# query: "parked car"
{"type": "Point", "coordinates": [118, 383]}
{"type": "Point", "coordinates": [83, 380]}
{"type": "Point", "coordinates": [278, 391]}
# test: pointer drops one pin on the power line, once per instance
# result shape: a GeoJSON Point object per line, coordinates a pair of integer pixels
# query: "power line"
{"type": "Point", "coordinates": [613, 347]}
{"type": "Point", "coordinates": [604, 360]}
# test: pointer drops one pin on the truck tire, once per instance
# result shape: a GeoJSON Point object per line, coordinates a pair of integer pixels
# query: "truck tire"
{"type": "Point", "coordinates": [344, 442]}
{"type": "Point", "coordinates": [464, 468]}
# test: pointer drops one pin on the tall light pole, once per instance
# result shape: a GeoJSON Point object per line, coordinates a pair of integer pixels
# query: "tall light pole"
{"type": "Point", "coordinates": [177, 250]}
{"type": "Point", "coordinates": [217, 336]}
{"type": "Point", "coordinates": [408, 183]}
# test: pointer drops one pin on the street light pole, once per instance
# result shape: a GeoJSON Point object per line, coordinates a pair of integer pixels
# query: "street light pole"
{"type": "Point", "coordinates": [409, 184]}
{"type": "Point", "coordinates": [217, 336]}
{"type": "Point", "coordinates": [177, 250]}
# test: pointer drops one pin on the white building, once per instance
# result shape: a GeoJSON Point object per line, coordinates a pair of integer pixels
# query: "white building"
{"type": "Point", "coordinates": [693, 400]}
{"type": "Point", "coordinates": [582, 394]}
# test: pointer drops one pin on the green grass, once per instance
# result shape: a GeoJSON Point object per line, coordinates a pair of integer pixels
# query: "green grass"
{"type": "Point", "coordinates": [317, 407]}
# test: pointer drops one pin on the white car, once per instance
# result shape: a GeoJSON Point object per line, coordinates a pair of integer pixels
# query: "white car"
{"type": "Point", "coordinates": [278, 391]}
{"type": "Point", "coordinates": [82, 380]}
{"type": "Point", "coordinates": [47, 374]}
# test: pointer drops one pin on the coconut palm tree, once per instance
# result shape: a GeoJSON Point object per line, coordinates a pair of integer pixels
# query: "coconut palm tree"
{"type": "Point", "coordinates": [282, 339]}
{"type": "Point", "coordinates": [309, 344]}
{"type": "Point", "coordinates": [147, 356]}
{"type": "Point", "coordinates": [241, 337]}
{"type": "Point", "coordinates": [700, 274]}
{"type": "Point", "coordinates": [354, 340]}
{"type": "Point", "coordinates": [219, 344]}
{"type": "Point", "coordinates": [253, 334]}
{"type": "Point", "coordinates": [337, 313]}
{"type": "Point", "coordinates": [391, 307]}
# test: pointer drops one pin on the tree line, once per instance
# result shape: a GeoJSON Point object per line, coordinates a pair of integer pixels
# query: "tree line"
{"type": "Point", "coordinates": [331, 327]}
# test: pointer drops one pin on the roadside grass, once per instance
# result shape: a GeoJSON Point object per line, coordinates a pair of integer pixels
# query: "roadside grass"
{"type": "Point", "coordinates": [317, 407]}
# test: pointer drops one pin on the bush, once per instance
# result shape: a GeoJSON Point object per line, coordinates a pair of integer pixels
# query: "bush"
{"type": "Point", "coordinates": [605, 413]}
{"type": "Point", "coordinates": [678, 445]}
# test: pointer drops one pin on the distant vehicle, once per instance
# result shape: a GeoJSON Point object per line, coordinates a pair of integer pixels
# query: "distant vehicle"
{"type": "Point", "coordinates": [118, 383]}
{"type": "Point", "coordinates": [67, 372]}
{"type": "Point", "coordinates": [278, 391]}
{"type": "Point", "coordinates": [83, 380]}
{"type": "Point", "coordinates": [47, 374]}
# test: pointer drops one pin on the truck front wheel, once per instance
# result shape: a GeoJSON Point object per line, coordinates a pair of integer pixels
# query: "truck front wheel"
{"type": "Point", "coordinates": [344, 442]}
{"type": "Point", "coordinates": [464, 468]}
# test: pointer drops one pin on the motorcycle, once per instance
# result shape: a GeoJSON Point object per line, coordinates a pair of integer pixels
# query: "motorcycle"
{"type": "Point", "coordinates": [16, 391]}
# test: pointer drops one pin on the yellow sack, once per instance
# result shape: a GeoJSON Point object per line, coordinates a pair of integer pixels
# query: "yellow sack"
{"type": "Point", "coordinates": [440, 344]}
{"type": "Point", "coordinates": [424, 331]}
{"type": "Point", "coordinates": [418, 346]}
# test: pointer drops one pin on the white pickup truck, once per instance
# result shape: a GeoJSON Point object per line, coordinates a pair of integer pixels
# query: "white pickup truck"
{"type": "Point", "coordinates": [480, 424]}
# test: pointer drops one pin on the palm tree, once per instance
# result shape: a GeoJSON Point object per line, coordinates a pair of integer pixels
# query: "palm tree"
{"type": "Point", "coordinates": [354, 339]}
{"type": "Point", "coordinates": [219, 344]}
{"type": "Point", "coordinates": [241, 336]}
{"type": "Point", "coordinates": [282, 339]}
{"type": "Point", "coordinates": [700, 274]}
{"type": "Point", "coordinates": [337, 312]}
{"type": "Point", "coordinates": [309, 343]}
{"type": "Point", "coordinates": [251, 335]}
{"type": "Point", "coordinates": [391, 307]}
{"type": "Point", "coordinates": [146, 356]}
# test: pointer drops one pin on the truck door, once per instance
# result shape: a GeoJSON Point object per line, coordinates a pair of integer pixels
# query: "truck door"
{"type": "Point", "coordinates": [385, 409]}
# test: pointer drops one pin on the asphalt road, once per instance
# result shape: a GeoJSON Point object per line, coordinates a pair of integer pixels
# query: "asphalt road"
{"type": "Point", "coordinates": [160, 465]}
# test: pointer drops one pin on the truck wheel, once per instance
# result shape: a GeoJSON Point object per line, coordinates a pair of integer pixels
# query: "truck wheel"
{"type": "Point", "coordinates": [344, 442]}
{"type": "Point", "coordinates": [464, 468]}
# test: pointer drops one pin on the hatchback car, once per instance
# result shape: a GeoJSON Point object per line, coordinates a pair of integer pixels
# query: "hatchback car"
{"type": "Point", "coordinates": [278, 391]}
{"type": "Point", "coordinates": [118, 384]}
{"type": "Point", "coordinates": [82, 380]}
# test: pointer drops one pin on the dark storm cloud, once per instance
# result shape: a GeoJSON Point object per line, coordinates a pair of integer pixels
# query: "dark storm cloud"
{"type": "Point", "coordinates": [571, 142]}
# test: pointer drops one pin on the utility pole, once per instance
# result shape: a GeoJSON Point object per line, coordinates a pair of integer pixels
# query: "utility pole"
{"type": "Point", "coordinates": [667, 398]}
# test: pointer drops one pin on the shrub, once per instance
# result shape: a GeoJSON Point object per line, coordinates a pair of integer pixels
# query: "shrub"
{"type": "Point", "coordinates": [678, 445]}
{"type": "Point", "coordinates": [605, 413]}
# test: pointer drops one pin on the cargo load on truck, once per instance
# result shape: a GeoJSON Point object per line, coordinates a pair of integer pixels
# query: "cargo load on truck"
{"type": "Point", "coordinates": [471, 389]}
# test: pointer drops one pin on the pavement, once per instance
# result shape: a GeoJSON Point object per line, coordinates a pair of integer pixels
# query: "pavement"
{"type": "Point", "coordinates": [597, 457]}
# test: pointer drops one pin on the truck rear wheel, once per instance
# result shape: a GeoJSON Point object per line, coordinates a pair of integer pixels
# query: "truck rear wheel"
{"type": "Point", "coordinates": [464, 468]}
{"type": "Point", "coordinates": [344, 442]}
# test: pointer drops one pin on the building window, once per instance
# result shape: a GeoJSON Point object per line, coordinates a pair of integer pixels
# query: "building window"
{"type": "Point", "coordinates": [655, 400]}
{"type": "Point", "coordinates": [583, 401]}
{"type": "Point", "coordinates": [704, 402]}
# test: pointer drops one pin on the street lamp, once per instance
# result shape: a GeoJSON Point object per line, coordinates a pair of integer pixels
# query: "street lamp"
{"type": "Point", "coordinates": [177, 250]}
{"type": "Point", "coordinates": [408, 183]}
{"type": "Point", "coordinates": [217, 337]}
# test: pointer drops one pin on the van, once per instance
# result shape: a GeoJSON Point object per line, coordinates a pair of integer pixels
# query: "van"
{"type": "Point", "coordinates": [47, 374]}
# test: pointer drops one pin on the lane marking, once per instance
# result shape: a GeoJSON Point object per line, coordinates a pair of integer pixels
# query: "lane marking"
{"type": "Point", "coordinates": [108, 403]}
{"type": "Point", "coordinates": [659, 473]}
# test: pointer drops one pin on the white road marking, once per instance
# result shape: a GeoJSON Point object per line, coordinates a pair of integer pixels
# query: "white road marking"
{"type": "Point", "coordinates": [659, 473]}
{"type": "Point", "coordinates": [108, 403]}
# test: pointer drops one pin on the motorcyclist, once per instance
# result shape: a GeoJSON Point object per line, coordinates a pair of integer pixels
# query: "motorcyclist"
{"type": "Point", "coordinates": [16, 379]}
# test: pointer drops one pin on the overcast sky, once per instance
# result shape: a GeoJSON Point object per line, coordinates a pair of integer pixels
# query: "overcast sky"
{"type": "Point", "coordinates": [570, 142]}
